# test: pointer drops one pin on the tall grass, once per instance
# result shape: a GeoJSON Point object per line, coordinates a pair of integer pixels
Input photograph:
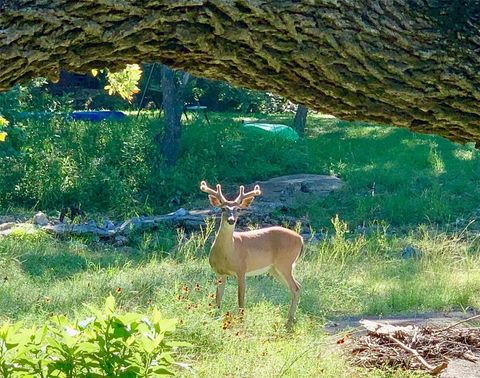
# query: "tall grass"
{"type": "Point", "coordinates": [342, 276]}
{"type": "Point", "coordinates": [401, 190]}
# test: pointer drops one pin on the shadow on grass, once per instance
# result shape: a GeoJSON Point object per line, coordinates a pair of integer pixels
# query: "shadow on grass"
{"type": "Point", "coordinates": [387, 287]}
{"type": "Point", "coordinates": [58, 261]}
{"type": "Point", "coordinates": [57, 266]}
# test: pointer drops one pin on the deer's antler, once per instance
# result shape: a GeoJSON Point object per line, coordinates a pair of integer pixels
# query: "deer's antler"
{"type": "Point", "coordinates": [244, 199]}
{"type": "Point", "coordinates": [214, 193]}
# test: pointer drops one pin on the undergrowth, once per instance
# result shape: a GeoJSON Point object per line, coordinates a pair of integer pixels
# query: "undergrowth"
{"type": "Point", "coordinates": [390, 175]}
{"type": "Point", "coordinates": [401, 192]}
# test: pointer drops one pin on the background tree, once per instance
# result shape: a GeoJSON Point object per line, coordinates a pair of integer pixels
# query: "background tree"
{"type": "Point", "coordinates": [300, 120]}
{"type": "Point", "coordinates": [173, 90]}
{"type": "Point", "coordinates": [173, 86]}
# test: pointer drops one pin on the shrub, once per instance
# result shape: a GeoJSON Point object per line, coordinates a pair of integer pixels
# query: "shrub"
{"type": "Point", "coordinates": [106, 344]}
{"type": "Point", "coordinates": [222, 96]}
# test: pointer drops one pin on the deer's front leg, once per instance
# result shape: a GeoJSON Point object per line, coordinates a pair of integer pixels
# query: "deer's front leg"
{"type": "Point", "coordinates": [221, 282]}
{"type": "Point", "coordinates": [241, 289]}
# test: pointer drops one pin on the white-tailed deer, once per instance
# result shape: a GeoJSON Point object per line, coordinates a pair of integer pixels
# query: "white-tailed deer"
{"type": "Point", "coordinates": [272, 249]}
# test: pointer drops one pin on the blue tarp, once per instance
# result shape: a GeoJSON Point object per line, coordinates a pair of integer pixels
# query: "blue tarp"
{"type": "Point", "coordinates": [96, 116]}
{"type": "Point", "coordinates": [91, 115]}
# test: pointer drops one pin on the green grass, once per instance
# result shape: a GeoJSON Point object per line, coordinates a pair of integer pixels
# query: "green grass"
{"type": "Point", "coordinates": [341, 277]}
{"type": "Point", "coordinates": [401, 189]}
{"type": "Point", "coordinates": [116, 168]}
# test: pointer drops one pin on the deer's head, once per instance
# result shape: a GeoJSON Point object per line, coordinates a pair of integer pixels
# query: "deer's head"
{"type": "Point", "coordinates": [230, 208]}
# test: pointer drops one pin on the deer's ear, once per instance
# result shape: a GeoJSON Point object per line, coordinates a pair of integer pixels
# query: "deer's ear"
{"type": "Point", "coordinates": [214, 201]}
{"type": "Point", "coordinates": [246, 202]}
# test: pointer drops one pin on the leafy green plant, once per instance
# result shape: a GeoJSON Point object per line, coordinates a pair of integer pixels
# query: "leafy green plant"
{"type": "Point", "coordinates": [340, 248]}
{"type": "Point", "coordinates": [123, 82]}
{"type": "Point", "coordinates": [194, 245]}
{"type": "Point", "coordinates": [106, 344]}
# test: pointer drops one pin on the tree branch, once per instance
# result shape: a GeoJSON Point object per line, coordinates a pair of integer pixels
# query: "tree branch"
{"type": "Point", "coordinates": [407, 63]}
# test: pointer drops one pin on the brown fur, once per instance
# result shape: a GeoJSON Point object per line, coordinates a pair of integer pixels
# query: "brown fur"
{"type": "Point", "coordinates": [273, 249]}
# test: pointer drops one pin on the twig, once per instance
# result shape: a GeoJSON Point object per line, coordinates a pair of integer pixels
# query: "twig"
{"type": "Point", "coordinates": [457, 323]}
{"type": "Point", "coordinates": [433, 369]}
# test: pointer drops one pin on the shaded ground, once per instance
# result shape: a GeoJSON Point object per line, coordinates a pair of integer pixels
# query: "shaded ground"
{"type": "Point", "coordinates": [436, 318]}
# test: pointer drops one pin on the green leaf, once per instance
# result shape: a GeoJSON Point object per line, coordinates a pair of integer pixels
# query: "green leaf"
{"type": "Point", "coordinates": [166, 325]}
{"type": "Point", "coordinates": [162, 371]}
{"type": "Point", "coordinates": [120, 331]}
{"type": "Point", "coordinates": [167, 357]}
{"type": "Point", "coordinates": [110, 304]}
{"type": "Point", "coordinates": [40, 334]}
{"type": "Point", "coordinates": [87, 347]}
{"type": "Point", "coordinates": [148, 345]}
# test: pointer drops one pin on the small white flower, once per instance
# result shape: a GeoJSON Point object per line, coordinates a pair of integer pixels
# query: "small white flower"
{"type": "Point", "coordinates": [71, 332]}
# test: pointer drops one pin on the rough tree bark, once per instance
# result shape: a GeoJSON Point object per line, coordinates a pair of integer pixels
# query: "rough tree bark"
{"type": "Point", "coordinates": [300, 120]}
{"type": "Point", "coordinates": [410, 63]}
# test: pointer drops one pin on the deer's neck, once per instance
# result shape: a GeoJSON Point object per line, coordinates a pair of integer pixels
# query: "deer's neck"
{"type": "Point", "coordinates": [222, 247]}
{"type": "Point", "coordinates": [224, 235]}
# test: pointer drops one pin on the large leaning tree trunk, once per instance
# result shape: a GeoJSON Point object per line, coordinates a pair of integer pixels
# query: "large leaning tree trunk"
{"type": "Point", "coordinates": [410, 63]}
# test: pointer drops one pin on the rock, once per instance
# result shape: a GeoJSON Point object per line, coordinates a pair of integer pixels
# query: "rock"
{"type": "Point", "coordinates": [40, 219]}
{"type": "Point", "coordinates": [180, 212]}
{"type": "Point", "coordinates": [120, 241]}
{"type": "Point", "coordinates": [279, 191]}
{"type": "Point", "coordinates": [7, 219]}
{"type": "Point", "coordinates": [410, 252]}
{"type": "Point", "coordinates": [108, 224]}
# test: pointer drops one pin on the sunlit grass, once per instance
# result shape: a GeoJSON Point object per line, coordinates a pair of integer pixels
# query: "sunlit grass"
{"type": "Point", "coordinates": [342, 276]}
{"type": "Point", "coordinates": [400, 189]}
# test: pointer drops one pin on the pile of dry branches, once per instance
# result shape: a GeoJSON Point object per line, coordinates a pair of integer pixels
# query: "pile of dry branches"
{"type": "Point", "coordinates": [414, 347]}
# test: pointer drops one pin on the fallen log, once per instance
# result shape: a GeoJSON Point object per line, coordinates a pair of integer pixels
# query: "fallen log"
{"type": "Point", "coordinates": [194, 219]}
{"type": "Point", "coordinates": [277, 193]}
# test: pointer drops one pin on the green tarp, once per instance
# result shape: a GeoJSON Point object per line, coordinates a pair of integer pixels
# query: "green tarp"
{"type": "Point", "coordinates": [276, 129]}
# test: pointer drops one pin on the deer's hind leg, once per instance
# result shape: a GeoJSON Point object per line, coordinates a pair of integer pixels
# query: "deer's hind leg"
{"type": "Point", "coordinates": [285, 275]}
